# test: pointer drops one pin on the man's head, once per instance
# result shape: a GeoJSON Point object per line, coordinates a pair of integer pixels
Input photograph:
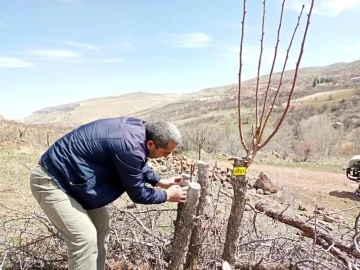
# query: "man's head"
{"type": "Point", "coordinates": [161, 138]}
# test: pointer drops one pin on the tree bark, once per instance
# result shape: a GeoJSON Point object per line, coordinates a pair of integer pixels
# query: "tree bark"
{"type": "Point", "coordinates": [185, 180]}
{"type": "Point", "coordinates": [244, 264]}
{"type": "Point", "coordinates": [239, 183]}
{"type": "Point", "coordinates": [184, 226]}
{"type": "Point", "coordinates": [327, 241]}
{"type": "Point", "coordinates": [197, 232]}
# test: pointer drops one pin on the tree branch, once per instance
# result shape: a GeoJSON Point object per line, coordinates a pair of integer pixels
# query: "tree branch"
{"type": "Point", "coordinates": [246, 148]}
{"type": "Point", "coordinates": [273, 64]}
{"type": "Point", "coordinates": [294, 78]}
{"type": "Point", "coordinates": [257, 126]}
{"type": "Point", "coordinates": [322, 238]}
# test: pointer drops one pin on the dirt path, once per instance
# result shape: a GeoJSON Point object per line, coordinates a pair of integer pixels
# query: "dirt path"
{"type": "Point", "coordinates": [324, 182]}
{"type": "Point", "coordinates": [331, 190]}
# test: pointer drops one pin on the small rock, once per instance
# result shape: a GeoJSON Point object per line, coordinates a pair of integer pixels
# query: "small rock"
{"type": "Point", "coordinates": [131, 206]}
{"type": "Point", "coordinates": [257, 196]}
{"type": "Point", "coordinates": [301, 208]}
{"type": "Point", "coordinates": [329, 219]}
{"type": "Point", "coordinates": [306, 214]}
{"type": "Point", "coordinates": [247, 207]}
{"type": "Point", "coordinates": [265, 183]}
{"type": "Point", "coordinates": [4, 189]}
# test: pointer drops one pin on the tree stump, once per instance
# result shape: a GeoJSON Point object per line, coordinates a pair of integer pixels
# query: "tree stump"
{"type": "Point", "coordinates": [184, 226]}
{"type": "Point", "coordinates": [185, 180]}
{"type": "Point", "coordinates": [197, 232]}
{"type": "Point", "coordinates": [239, 183]}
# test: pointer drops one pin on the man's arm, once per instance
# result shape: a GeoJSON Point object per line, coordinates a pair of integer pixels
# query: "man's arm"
{"type": "Point", "coordinates": [150, 176]}
{"type": "Point", "coordinates": [129, 168]}
{"type": "Point", "coordinates": [154, 179]}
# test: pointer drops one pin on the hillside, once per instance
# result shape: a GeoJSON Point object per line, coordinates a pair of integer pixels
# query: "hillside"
{"type": "Point", "coordinates": [179, 106]}
{"type": "Point", "coordinates": [88, 110]}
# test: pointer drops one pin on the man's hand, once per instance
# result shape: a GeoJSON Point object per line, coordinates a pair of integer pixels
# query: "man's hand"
{"type": "Point", "coordinates": [166, 183]}
{"type": "Point", "coordinates": [176, 193]}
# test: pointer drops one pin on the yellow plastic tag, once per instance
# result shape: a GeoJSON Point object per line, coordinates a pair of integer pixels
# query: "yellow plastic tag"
{"type": "Point", "coordinates": [239, 171]}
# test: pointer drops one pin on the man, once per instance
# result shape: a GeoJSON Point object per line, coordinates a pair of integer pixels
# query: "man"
{"type": "Point", "coordinates": [91, 167]}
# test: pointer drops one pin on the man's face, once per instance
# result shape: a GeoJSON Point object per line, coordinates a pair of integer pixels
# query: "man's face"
{"type": "Point", "coordinates": [157, 152]}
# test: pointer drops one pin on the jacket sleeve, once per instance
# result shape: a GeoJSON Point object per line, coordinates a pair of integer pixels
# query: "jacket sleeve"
{"type": "Point", "coordinates": [150, 175]}
{"type": "Point", "coordinates": [129, 169]}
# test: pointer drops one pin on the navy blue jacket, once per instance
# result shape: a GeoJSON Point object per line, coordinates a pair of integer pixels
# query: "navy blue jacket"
{"type": "Point", "coordinates": [99, 161]}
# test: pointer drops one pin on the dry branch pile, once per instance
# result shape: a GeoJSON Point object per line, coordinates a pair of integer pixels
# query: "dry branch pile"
{"type": "Point", "coordinates": [141, 236]}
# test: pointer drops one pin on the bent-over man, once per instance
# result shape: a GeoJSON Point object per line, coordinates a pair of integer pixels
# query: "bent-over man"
{"type": "Point", "coordinates": [92, 166]}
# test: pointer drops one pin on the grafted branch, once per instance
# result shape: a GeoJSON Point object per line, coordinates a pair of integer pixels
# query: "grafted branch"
{"type": "Point", "coordinates": [273, 64]}
{"type": "Point", "coordinates": [294, 77]}
{"type": "Point", "coordinates": [263, 117]}
{"type": "Point", "coordinates": [258, 73]}
{"type": "Point", "coordinates": [240, 72]}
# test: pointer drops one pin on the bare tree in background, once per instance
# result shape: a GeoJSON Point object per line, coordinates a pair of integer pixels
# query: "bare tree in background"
{"type": "Point", "coordinates": [263, 111]}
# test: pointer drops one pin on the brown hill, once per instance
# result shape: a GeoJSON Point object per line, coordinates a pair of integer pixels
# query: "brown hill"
{"type": "Point", "coordinates": [88, 110]}
{"type": "Point", "coordinates": [184, 107]}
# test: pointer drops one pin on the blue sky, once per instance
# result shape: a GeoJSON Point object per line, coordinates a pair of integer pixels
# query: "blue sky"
{"type": "Point", "coordinates": [54, 52]}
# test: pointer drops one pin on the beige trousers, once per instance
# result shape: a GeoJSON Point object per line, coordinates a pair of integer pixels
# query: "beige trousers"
{"type": "Point", "coordinates": [84, 231]}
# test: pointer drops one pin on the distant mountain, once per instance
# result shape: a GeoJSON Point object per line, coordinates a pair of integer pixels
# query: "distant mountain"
{"type": "Point", "coordinates": [179, 106]}
{"type": "Point", "coordinates": [92, 109]}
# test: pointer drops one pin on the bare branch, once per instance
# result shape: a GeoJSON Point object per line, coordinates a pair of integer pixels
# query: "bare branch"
{"type": "Point", "coordinates": [273, 64]}
{"type": "Point", "coordinates": [294, 78]}
{"type": "Point", "coordinates": [258, 71]}
{"type": "Point", "coordinates": [246, 148]}
{"type": "Point", "coordinates": [322, 238]}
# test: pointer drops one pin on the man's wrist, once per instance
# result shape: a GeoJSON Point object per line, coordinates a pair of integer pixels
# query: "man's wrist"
{"type": "Point", "coordinates": [160, 183]}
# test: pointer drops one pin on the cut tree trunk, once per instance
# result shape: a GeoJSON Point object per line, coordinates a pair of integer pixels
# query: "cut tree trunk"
{"type": "Point", "coordinates": [184, 227]}
{"type": "Point", "coordinates": [239, 183]}
{"type": "Point", "coordinates": [197, 232]}
{"type": "Point", "coordinates": [185, 180]}
{"type": "Point", "coordinates": [244, 264]}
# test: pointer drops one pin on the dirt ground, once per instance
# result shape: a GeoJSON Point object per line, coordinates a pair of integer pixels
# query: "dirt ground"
{"type": "Point", "coordinates": [333, 184]}
{"type": "Point", "coordinates": [312, 188]}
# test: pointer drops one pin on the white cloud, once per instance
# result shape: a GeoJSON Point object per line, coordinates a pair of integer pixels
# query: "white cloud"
{"type": "Point", "coordinates": [238, 26]}
{"type": "Point", "coordinates": [124, 45]}
{"type": "Point", "coordinates": [188, 40]}
{"type": "Point", "coordinates": [114, 60]}
{"type": "Point", "coordinates": [119, 45]}
{"type": "Point", "coordinates": [248, 53]}
{"type": "Point", "coordinates": [9, 62]}
{"type": "Point", "coordinates": [232, 25]}
{"type": "Point", "coordinates": [329, 8]}
{"type": "Point", "coordinates": [54, 53]}
{"type": "Point", "coordinates": [92, 47]}
{"type": "Point", "coordinates": [80, 45]}
{"type": "Point", "coordinates": [74, 44]}
{"type": "Point", "coordinates": [353, 48]}
{"type": "Point", "coordinates": [91, 60]}
{"type": "Point", "coordinates": [70, 1]}
{"type": "Point", "coordinates": [251, 53]}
